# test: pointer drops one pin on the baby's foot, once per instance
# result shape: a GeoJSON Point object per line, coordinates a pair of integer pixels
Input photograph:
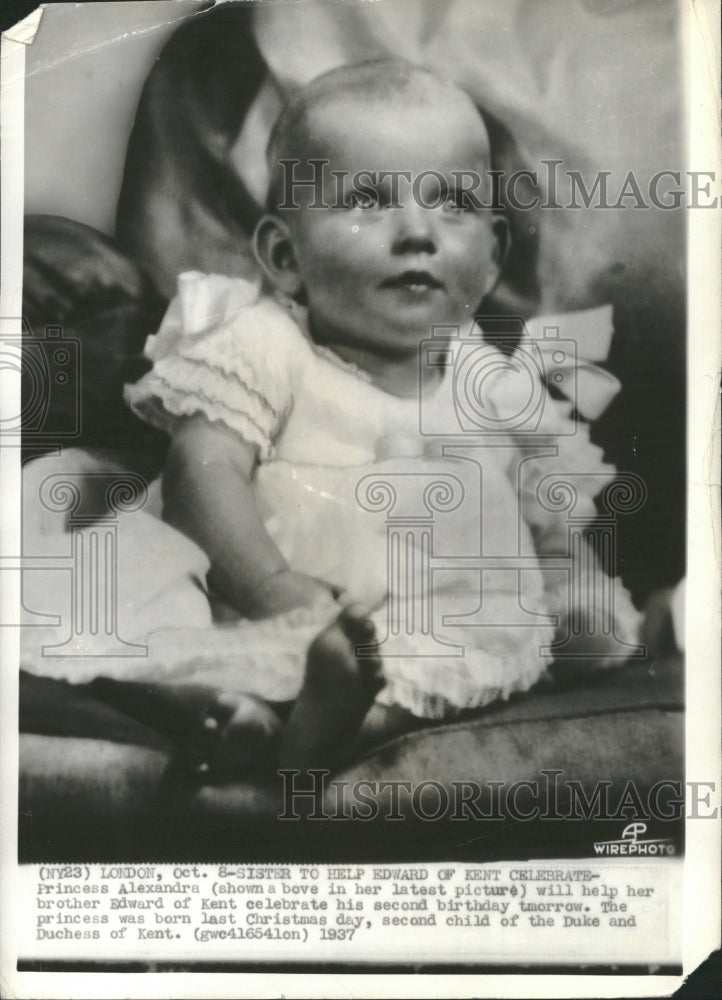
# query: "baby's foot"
{"type": "Point", "coordinates": [237, 734]}
{"type": "Point", "coordinates": [343, 676]}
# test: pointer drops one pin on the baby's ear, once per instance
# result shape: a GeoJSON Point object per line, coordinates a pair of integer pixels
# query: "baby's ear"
{"type": "Point", "coordinates": [273, 247]}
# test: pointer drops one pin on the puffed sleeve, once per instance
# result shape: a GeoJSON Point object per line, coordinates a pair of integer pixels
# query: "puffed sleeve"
{"type": "Point", "coordinates": [226, 352]}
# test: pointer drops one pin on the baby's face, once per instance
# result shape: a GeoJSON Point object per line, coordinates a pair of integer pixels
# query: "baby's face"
{"type": "Point", "coordinates": [376, 277]}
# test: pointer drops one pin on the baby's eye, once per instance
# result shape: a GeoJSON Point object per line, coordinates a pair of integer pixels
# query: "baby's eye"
{"type": "Point", "coordinates": [455, 203]}
{"type": "Point", "coordinates": [363, 200]}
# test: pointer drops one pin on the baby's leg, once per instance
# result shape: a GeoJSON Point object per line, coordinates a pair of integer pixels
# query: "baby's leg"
{"type": "Point", "coordinates": [334, 719]}
{"type": "Point", "coordinates": [338, 691]}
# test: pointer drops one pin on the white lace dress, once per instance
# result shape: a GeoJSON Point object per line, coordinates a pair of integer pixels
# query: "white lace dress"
{"type": "Point", "coordinates": [389, 498]}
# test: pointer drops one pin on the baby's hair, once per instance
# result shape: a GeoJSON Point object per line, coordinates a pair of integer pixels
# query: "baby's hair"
{"type": "Point", "coordinates": [376, 80]}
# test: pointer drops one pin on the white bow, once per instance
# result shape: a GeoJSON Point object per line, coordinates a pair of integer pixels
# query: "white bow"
{"type": "Point", "coordinates": [569, 344]}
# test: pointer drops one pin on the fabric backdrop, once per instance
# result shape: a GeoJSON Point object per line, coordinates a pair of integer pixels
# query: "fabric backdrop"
{"type": "Point", "coordinates": [596, 84]}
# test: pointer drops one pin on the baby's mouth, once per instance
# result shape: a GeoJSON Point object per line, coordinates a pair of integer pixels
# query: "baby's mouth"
{"type": "Point", "coordinates": [413, 281]}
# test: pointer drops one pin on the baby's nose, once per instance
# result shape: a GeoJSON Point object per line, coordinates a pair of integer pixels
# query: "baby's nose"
{"type": "Point", "coordinates": [415, 231]}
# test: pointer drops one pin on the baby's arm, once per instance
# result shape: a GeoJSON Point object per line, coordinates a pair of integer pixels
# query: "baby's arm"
{"type": "Point", "coordinates": [208, 495]}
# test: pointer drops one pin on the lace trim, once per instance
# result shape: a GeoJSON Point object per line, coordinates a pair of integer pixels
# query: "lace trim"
{"type": "Point", "coordinates": [338, 362]}
{"type": "Point", "coordinates": [200, 394]}
{"type": "Point", "coordinates": [256, 394]}
{"type": "Point", "coordinates": [162, 409]}
{"type": "Point", "coordinates": [440, 688]}
{"type": "Point", "coordinates": [433, 704]}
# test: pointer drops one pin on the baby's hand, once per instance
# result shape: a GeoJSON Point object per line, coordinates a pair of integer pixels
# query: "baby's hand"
{"type": "Point", "coordinates": [287, 590]}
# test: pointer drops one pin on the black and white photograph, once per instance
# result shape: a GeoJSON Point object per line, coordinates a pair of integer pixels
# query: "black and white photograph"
{"type": "Point", "coordinates": [360, 535]}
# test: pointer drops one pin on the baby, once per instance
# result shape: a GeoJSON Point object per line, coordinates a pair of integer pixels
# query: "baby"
{"type": "Point", "coordinates": [279, 405]}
